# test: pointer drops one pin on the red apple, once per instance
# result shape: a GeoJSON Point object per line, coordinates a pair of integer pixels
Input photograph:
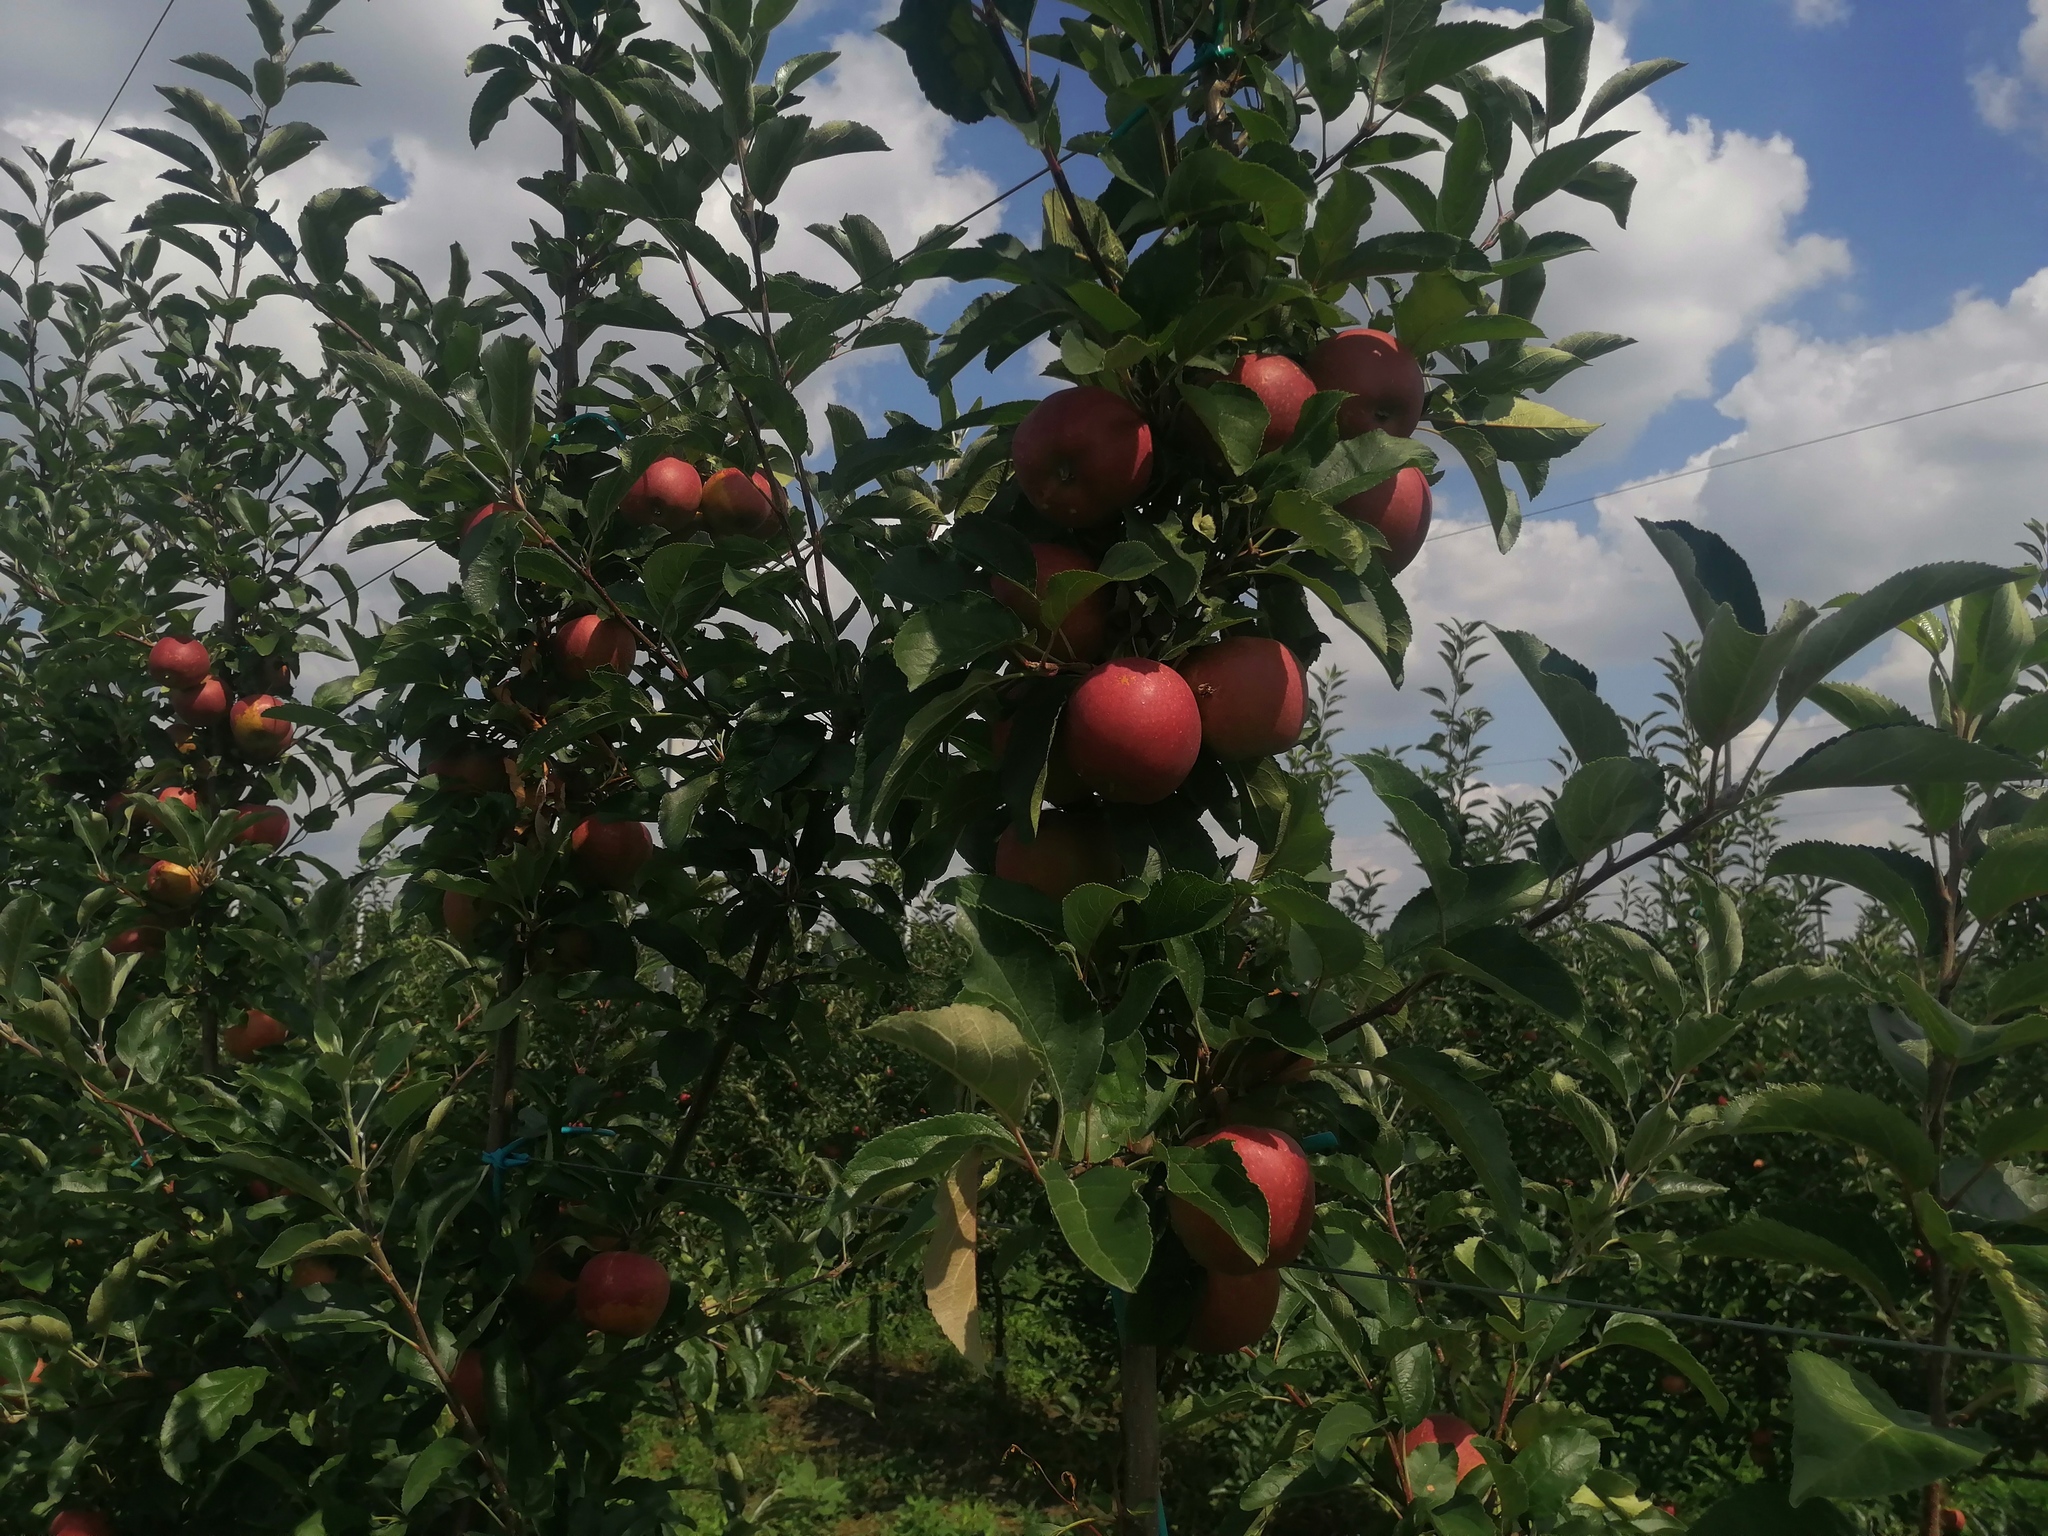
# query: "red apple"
{"type": "Point", "coordinates": [81, 1522]}
{"type": "Point", "coordinates": [258, 1031]}
{"type": "Point", "coordinates": [1954, 1522]}
{"type": "Point", "coordinates": [1399, 507]}
{"type": "Point", "coordinates": [735, 502]}
{"type": "Point", "coordinates": [172, 885]}
{"type": "Point", "coordinates": [1235, 1312]}
{"type": "Point", "coordinates": [584, 644]}
{"type": "Point", "coordinates": [179, 663]}
{"type": "Point", "coordinates": [139, 940]}
{"type": "Point", "coordinates": [1283, 387]}
{"type": "Point", "coordinates": [1453, 1434]}
{"type": "Point", "coordinates": [480, 516]}
{"type": "Point", "coordinates": [473, 769]}
{"type": "Point", "coordinates": [1063, 786]}
{"type": "Point", "coordinates": [1132, 730]}
{"type": "Point", "coordinates": [260, 736]}
{"type": "Point", "coordinates": [1251, 695]}
{"type": "Point", "coordinates": [309, 1272]}
{"type": "Point", "coordinates": [1072, 848]}
{"type": "Point", "coordinates": [35, 1376]}
{"type": "Point", "coordinates": [467, 1380]}
{"type": "Point", "coordinates": [547, 1285]}
{"type": "Point", "coordinates": [206, 704]}
{"type": "Point", "coordinates": [1382, 377]}
{"type": "Point", "coordinates": [623, 1294]}
{"type": "Point", "coordinates": [564, 950]}
{"type": "Point", "coordinates": [609, 854]}
{"type": "Point", "coordinates": [460, 914]}
{"type": "Point", "coordinates": [268, 825]}
{"type": "Point", "coordinates": [666, 496]}
{"type": "Point", "coordinates": [1275, 1163]}
{"type": "Point", "coordinates": [1083, 633]}
{"type": "Point", "coordinates": [188, 798]}
{"type": "Point", "coordinates": [1082, 455]}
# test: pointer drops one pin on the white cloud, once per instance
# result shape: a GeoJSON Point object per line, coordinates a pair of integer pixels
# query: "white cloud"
{"type": "Point", "coordinates": [1820, 13]}
{"type": "Point", "coordinates": [2010, 100]}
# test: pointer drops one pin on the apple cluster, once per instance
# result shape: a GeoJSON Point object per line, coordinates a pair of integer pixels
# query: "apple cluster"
{"type": "Point", "coordinates": [1240, 1293]}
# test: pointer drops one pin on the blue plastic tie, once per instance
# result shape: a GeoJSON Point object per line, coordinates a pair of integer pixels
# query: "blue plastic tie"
{"type": "Point", "coordinates": [1161, 1507]}
{"type": "Point", "coordinates": [502, 1159]}
{"type": "Point", "coordinates": [1321, 1141]}
{"type": "Point", "coordinates": [618, 431]}
{"type": "Point", "coordinates": [586, 1130]}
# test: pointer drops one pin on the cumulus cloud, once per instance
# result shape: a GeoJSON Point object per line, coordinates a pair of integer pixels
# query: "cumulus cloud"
{"type": "Point", "coordinates": [2016, 98]}
{"type": "Point", "coordinates": [1819, 13]}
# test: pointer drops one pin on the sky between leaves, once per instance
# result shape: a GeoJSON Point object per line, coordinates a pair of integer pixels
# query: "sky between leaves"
{"type": "Point", "coordinates": [1843, 217]}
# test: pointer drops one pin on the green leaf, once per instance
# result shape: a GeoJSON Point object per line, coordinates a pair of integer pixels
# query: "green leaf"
{"type": "Point", "coordinates": [1587, 1118]}
{"type": "Point", "coordinates": [148, 1039]}
{"type": "Point", "coordinates": [1103, 1220]}
{"type": "Point", "coordinates": [1211, 1178]}
{"type": "Point", "coordinates": [287, 144]}
{"type": "Point", "coordinates": [1767, 1240]}
{"type": "Point", "coordinates": [1993, 635]}
{"type": "Point", "coordinates": [21, 920]}
{"type": "Point", "coordinates": [1017, 970]}
{"type": "Point", "coordinates": [2022, 986]}
{"type": "Point", "coordinates": [980, 1046]}
{"type": "Point", "coordinates": [1467, 1115]}
{"type": "Point", "coordinates": [1709, 572]}
{"type": "Point", "coordinates": [1647, 1333]}
{"type": "Point", "coordinates": [1624, 83]}
{"type": "Point", "coordinates": [1566, 53]}
{"type": "Point", "coordinates": [920, 1150]}
{"type": "Point", "coordinates": [1904, 883]}
{"type": "Point", "coordinates": [956, 63]}
{"type": "Point", "coordinates": [406, 390]}
{"type": "Point", "coordinates": [1570, 692]}
{"type": "Point", "coordinates": [312, 1237]}
{"type": "Point", "coordinates": [1793, 984]}
{"type": "Point", "coordinates": [1839, 1114]}
{"type": "Point", "coordinates": [1467, 178]}
{"type": "Point", "coordinates": [2012, 870]}
{"type": "Point", "coordinates": [1646, 960]}
{"type": "Point", "coordinates": [204, 1410]}
{"type": "Point", "coordinates": [1851, 1441]}
{"type": "Point", "coordinates": [1321, 526]}
{"type": "Point", "coordinates": [1874, 614]}
{"type": "Point", "coordinates": [2022, 726]}
{"type": "Point", "coordinates": [1533, 433]}
{"type": "Point", "coordinates": [1765, 1509]}
{"type": "Point", "coordinates": [1441, 51]}
{"type": "Point", "coordinates": [324, 224]}
{"type": "Point", "coordinates": [1855, 706]}
{"type": "Point", "coordinates": [1736, 670]}
{"type": "Point", "coordinates": [1235, 417]}
{"type": "Point", "coordinates": [1612, 186]}
{"type": "Point", "coordinates": [952, 634]}
{"type": "Point", "coordinates": [679, 808]}
{"type": "Point", "coordinates": [1210, 178]}
{"type": "Point", "coordinates": [430, 1466]}
{"type": "Point", "coordinates": [1607, 800]}
{"type": "Point", "coordinates": [1899, 754]}
{"type": "Point", "coordinates": [1503, 507]}
{"type": "Point", "coordinates": [511, 364]}
{"type": "Point", "coordinates": [1514, 965]}
{"type": "Point", "coordinates": [1551, 170]}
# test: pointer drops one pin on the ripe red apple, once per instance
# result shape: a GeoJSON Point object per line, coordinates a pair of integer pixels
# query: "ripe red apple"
{"type": "Point", "coordinates": [666, 496]}
{"type": "Point", "coordinates": [1399, 507]}
{"type": "Point", "coordinates": [1082, 455]}
{"type": "Point", "coordinates": [258, 1031]}
{"type": "Point", "coordinates": [1954, 1522]}
{"type": "Point", "coordinates": [309, 1272]}
{"type": "Point", "coordinates": [1382, 377]}
{"type": "Point", "coordinates": [1063, 786]}
{"type": "Point", "coordinates": [1450, 1432]}
{"type": "Point", "coordinates": [547, 1285]}
{"type": "Point", "coordinates": [268, 825]}
{"type": "Point", "coordinates": [473, 769]}
{"type": "Point", "coordinates": [1235, 1312]}
{"type": "Point", "coordinates": [188, 798]}
{"type": "Point", "coordinates": [177, 663]}
{"type": "Point", "coordinates": [1276, 1165]}
{"type": "Point", "coordinates": [1674, 1385]}
{"type": "Point", "coordinates": [1283, 387]}
{"type": "Point", "coordinates": [35, 1375]}
{"type": "Point", "coordinates": [564, 950]}
{"type": "Point", "coordinates": [735, 502]}
{"type": "Point", "coordinates": [172, 885]}
{"type": "Point", "coordinates": [467, 1379]}
{"type": "Point", "coordinates": [260, 736]}
{"type": "Point", "coordinates": [205, 704]}
{"type": "Point", "coordinates": [1072, 848]}
{"type": "Point", "coordinates": [609, 854]}
{"type": "Point", "coordinates": [623, 1294]}
{"type": "Point", "coordinates": [139, 940]}
{"type": "Point", "coordinates": [1084, 632]}
{"type": "Point", "coordinates": [481, 515]}
{"type": "Point", "coordinates": [1132, 730]}
{"type": "Point", "coordinates": [81, 1522]}
{"type": "Point", "coordinates": [584, 644]}
{"type": "Point", "coordinates": [1251, 695]}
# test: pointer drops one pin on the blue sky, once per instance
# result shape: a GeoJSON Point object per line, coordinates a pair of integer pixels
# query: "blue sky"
{"type": "Point", "coordinates": [1843, 214]}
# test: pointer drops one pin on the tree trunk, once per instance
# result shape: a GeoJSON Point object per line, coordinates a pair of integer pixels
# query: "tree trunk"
{"type": "Point", "coordinates": [1138, 1500]}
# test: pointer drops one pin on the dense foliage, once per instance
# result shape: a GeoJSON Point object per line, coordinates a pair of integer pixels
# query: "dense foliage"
{"type": "Point", "coordinates": [991, 929]}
